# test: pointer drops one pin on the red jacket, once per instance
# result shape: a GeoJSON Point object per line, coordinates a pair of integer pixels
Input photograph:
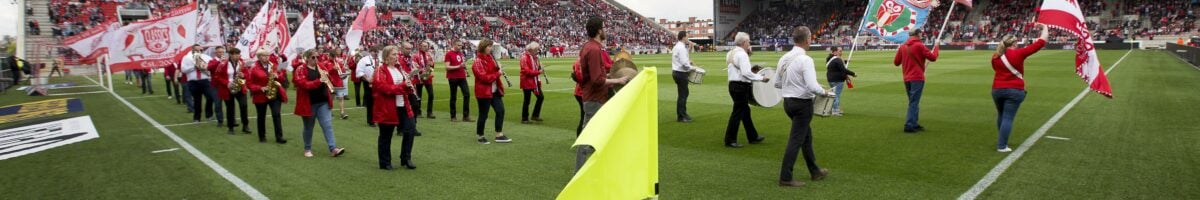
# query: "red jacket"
{"type": "Point", "coordinates": [911, 57]}
{"type": "Point", "coordinates": [530, 72]}
{"type": "Point", "coordinates": [221, 78]}
{"type": "Point", "coordinates": [1004, 78]}
{"type": "Point", "coordinates": [487, 74]}
{"type": "Point", "coordinates": [385, 91]}
{"type": "Point", "coordinates": [257, 79]}
{"type": "Point", "coordinates": [169, 71]}
{"type": "Point", "coordinates": [578, 75]}
{"type": "Point", "coordinates": [425, 61]}
{"type": "Point", "coordinates": [303, 86]}
{"type": "Point", "coordinates": [353, 62]}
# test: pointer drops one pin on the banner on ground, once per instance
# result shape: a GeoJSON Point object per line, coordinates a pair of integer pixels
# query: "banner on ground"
{"type": "Point", "coordinates": [90, 43]}
{"type": "Point", "coordinates": [153, 43]}
{"type": "Point", "coordinates": [624, 134]}
{"type": "Point", "coordinates": [1065, 15]}
{"type": "Point", "coordinates": [39, 137]}
{"type": "Point", "coordinates": [304, 39]}
{"type": "Point", "coordinates": [208, 29]}
{"type": "Point", "coordinates": [892, 20]}
{"type": "Point", "coordinates": [39, 109]}
{"type": "Point", "coordinates": [365, 21]}
{"type": "Point", "coordinates": [267, 30]}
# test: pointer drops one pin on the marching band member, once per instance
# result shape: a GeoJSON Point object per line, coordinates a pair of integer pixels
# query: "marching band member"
{"type": "Point", "coordinates": [340, 73]}
{"type": "Point", "coordinates": [681, 65]}
{"type": "Point", "coordinates": [353, 65]}
{"type": "Point", "coordinates": [426, 83]}
{"type": "Point", "coordinates": [365, 71]}
{"type": "Point", "coordinates": [314, 100]}
{"type": "Point", "coordinates": [798, 80]}
{"type": "Point", "coordinates": [489, 91]}
{"type": "Point", "coordinates": [194, 66]}
{"type": "Point", "coordinates": [411, 66]}
{"type": "Point", "coordinates": [740, 77]}
{"type": "Point", "coordinates": [263, 80]}
{"type": "Point", "coordinates": [392, 110]}
{"type": "Point", "coordinates": [225, 73]}
{"type": "Point", "coordinates": [456, 75]}
{"type": "Point", "coordinates": [531, 68]}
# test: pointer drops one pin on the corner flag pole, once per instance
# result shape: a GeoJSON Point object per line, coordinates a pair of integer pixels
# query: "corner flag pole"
{"type": "Point", "coordinates": [857, 31]}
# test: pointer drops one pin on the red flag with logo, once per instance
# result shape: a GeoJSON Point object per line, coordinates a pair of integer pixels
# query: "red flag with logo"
{"type": "Point", "coordinates": [1066, 15]}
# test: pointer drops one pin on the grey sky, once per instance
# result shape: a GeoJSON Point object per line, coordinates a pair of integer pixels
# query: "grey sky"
{"type": "Point", "coordinates": [8, 14]}
{"type": "Point", "coordinates": [673, 10]}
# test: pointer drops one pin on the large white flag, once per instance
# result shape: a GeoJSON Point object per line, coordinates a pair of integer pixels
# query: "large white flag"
{"type": "Point", "coordinates": [1066, 15]}
{"type": "Point", "coordinates": [268, 29]}
{"type": "Point", "coordinates": [303, 40]}
{"type": "Point", "coordinates": [89, 44]}
{"type": "Point", "coordinates": [365, 21]}
{"type": "Point", "coordinates": [208, 31]}
{"type": "Point", "coordinates": [153, 43]}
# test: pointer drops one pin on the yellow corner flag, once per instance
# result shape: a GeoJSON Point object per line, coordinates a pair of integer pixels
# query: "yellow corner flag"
{"type": "Point", "coordinates": [624, 134]}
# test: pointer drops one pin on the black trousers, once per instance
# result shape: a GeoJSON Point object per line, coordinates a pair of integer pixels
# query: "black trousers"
{"type": "Point", "coordinates": [357, 87]}
{"type": "Point", "coordinates": [537, 107]}
{"type": "Point", "coordinates": [456, 85]}
{"type": "Point", "coordinates": [199, 90]}
{"type": "Point", "coordinates": [495, 103]}
{"type": "Point", "coordinates": [369, 102]}
{"type": "Point", "coordinates": [240, 100]}
{"type": "Point", "coordinates": [740, 93]}
{"type": "Point", "coordinates": [173, 90]}
{"type": "Point", "coordinates": [681, 82]}
{"type": "Point", "coordinates": [421, 92]}
{"type": "Point", "coordinates": [144, 81]}
{"type": "Point", "coordinates": [416, 112]}
{"type": "Point", "coordinates": [261, 109]}
{"type": "Point", "coordinates": [800, 139]}
{"type": "Point", "coordinates": [416, 102]}
{"type": "Point", "coordinates": [385, 140]}
{"type": "Point", "coordinates": [579, 128]}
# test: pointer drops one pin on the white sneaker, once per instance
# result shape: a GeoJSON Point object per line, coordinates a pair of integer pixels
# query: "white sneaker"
{"type": "Point", "coordinates": [1004, 150]}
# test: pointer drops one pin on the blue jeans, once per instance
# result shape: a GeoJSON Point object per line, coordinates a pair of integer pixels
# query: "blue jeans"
{"type": "Point", "coordinates": [322, 114]}
{"type": "Point", "coordinates": [211, 94]}
{"type": "Point", "coordinates": [1007, 102]}
{"type": "Point", "coordinates": [914, 88]}
{"type": "Point", "coordinates": [837, 90]}
{"type": "Point", "coordinates": [187, 97]}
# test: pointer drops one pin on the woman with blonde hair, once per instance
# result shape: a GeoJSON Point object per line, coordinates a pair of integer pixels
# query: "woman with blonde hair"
{"type": "Point", "coordinates": [1008, 86]}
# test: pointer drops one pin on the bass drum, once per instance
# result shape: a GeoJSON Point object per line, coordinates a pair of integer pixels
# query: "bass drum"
{"type": "Point", "coordinates": [764, 93]}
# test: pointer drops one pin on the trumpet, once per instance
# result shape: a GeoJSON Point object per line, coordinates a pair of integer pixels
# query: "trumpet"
{"type": "Point", "coordinates": [325, 79]}
{"type": "Point", "coordinates": [272, 84]}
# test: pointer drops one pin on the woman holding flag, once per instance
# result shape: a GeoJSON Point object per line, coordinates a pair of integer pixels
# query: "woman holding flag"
{"type": "Point", "coordinates": [1008, 86]}
{"type": "Point", "coordinates": [837, 75]}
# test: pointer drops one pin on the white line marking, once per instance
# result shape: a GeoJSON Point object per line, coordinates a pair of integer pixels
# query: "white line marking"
{"type": "Point", "coordinates": [251, 117]}
{"type": "Point", "coordinates": [1057, 138]}
{"type": "Point", "coordinates": [245, 187]}
{"type": "Point", "coordinates": [1012, 158]}
{"type": "Point", "coordinates": [80, 86]}
{"type": "Point", "coordinates": [165, 150]}
{"type": "Point", "coordinates": [77, 93]}
{"type": "Point", "coordinates": [143, 97]}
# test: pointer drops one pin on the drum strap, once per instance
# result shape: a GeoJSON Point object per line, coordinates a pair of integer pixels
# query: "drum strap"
{"type": "Point", "coordinates": [1010, 67]}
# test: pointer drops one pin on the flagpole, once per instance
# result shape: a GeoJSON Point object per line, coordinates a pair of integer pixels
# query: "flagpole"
{"type": "Point", "coordinates": [944, 22]}
{"type": "Point", "coordinates": [857, 30]}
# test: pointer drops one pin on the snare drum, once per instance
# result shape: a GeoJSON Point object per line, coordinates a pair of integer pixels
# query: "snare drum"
{"type": "Point", "coordinates": [765, 93]}
{"type": "Point", "coordinates": [696, 76]}
{"type": "Point", "coordinates": [823, 106]}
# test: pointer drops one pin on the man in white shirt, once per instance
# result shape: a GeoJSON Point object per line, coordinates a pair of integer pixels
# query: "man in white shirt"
{"type": "Point", "coordinates": [681, 64]}
{"type": "Point", "coordinates": [365, 71]}
{"type": "Point", "coordinates": [798, 78]}
{"type": "Point", "coordinates": [740, 89]}
{"type": "Point", "coordinates": [195, 66]}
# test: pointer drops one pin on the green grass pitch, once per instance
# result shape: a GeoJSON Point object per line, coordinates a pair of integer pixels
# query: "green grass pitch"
{"type": "Point", "coordinates": [1140, 145]}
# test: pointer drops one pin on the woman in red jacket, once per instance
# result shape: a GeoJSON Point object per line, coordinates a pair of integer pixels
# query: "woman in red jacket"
{"type": "Point", "coordinates": [488, 91]}
{"type": "Point", "coordinates": [1008, 86]}
{"type": "Point", "coordinates": [223, 74]}
{"type": "Point", "coordinates": [257, 81]}
{"type": "Point", "coordinates": [530, 84]}
{"type": "Point", "coordinates": [391, 87]}
{"type": "Point", "coordinates": [314, 101]}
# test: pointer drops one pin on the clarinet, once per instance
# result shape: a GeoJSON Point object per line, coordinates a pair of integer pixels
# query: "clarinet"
{"type": "Point", "coordinates": [505, 75]}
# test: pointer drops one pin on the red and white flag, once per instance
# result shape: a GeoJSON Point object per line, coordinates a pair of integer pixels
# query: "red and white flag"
{"type": "Point", "coordinates": [1066, 15]}
{"type": "Point", "coordinates": [153, 43]}
{"type": "Point", "coordinates": [303, 40]}
{"type": "Point", "coordinates": [365, 21]}
{"type": "Point", "coordinates": [89, 44]}
{"type": "Point", "coordinates": [208, 30]}
{"type": "Point", "coordinates": [964, 2]}
{"type": "Point", "coordinates": [268, 30]}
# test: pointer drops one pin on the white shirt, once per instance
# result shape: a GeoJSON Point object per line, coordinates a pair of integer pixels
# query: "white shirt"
{"type": "Point", "coordinates": [188, 66]}
{"type": "Point", "coordinates": [739, 66]}
{"type": "Point", "coordinates": [397, 78]}
{"type": "Point", "coordinates": [366, 68]}
{"type": "Point", "coordinates": [680, 61]}
{"type": "Point", "coordinates": [798, 76]}
{"type": "Point", "coordinates": [231, 67]}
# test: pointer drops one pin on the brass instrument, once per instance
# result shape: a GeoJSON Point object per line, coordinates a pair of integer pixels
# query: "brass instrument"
{"type": "Point", "coordinates": [200, 64]}
{"type": "Point", "coordinates": [325, 79]}
{"type": "Point", "coordinates": [239, 80]}
{"type": "Point", "coordinates": [272, 84]}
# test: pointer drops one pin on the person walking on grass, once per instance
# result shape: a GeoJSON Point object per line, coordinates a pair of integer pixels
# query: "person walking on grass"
{"type": "Point", "coordinates": [798, 79]}
{"type": "Point", "coordinates": [1008, 85]}
{"type": "Point", "coordinates": [314, 100]}
{"type": "Point", "coordinates": [911, 57]}
{"type": "Point", "coordinates": [489, 91]}
{"type": "Point", "coordinates": [837, 74]}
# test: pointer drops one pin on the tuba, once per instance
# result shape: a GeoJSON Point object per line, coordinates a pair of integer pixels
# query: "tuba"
{"type": "Point", "coordinates": [272, 84]}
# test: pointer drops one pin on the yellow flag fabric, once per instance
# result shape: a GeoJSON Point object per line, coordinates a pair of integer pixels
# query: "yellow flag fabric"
{"type": "Point", "coordinates": [624, 134]}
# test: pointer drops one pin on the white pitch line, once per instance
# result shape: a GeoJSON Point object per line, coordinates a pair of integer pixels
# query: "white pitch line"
{"type": "Point", "coordinates": [995, 173]}
{"type": "Point", "coordinates": [251, 117]}
{"type": "Point", "coordinates": [1057, 138]}
{"type": "Point", "coordinates": [241, 184]}
{"type": "Point", "coordinates": [76, 93]}
{"type": "Point", "coordinates": [143, 97]}
{"type": "Point", "coordinates": [165, 150]}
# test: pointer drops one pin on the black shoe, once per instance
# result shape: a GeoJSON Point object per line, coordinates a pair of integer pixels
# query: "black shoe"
{"type": "Point", "coordinates": [685, 120]}
{"type": "Point", "coordinates": [537, 119]}
{"type": "Point", "coordinates": [245, 131]}
{"type": "Point", "coordinates": [234, 125]}
{"type": "Point", "coordinates": [920, 128]}
{"type": "Point", "coordinates": [503, 139]}
{"type": "Point", "coordinates": [262, 140]}
{"type": "Point", "coordinates": [791, 184]}
{"type": "Point", "coordinates": [483, 140]}
{"type": "Point", "coordinates": [231, 132]}
{"type": "Point", "coordinates": [758, 140]}
{"type": "Point", "coordinates": [371, 124]}
{"type": "Point", "coordinates": [733, 145]}
{"type": "Point", "coordinates": [821, 176]}
{"type": "Point", "coordinates": [417, 134]}
{"type": "Point", "coordinates": [389, 167]}
{"type": "Point", "coordinates": [430, 115]}
{"type": "Point", "coordinates": [344, 116]}
{"type": "Point", "coordinates": [909, 130]}
{"type": "Point", "coordinates": [408, 165]}
{"type": "Point", "coordinates": [281, 141]}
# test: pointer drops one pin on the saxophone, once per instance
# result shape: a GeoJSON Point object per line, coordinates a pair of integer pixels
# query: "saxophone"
{"type": "Point", "coordinates": [239, 80]}
{"type": "Point", "coordinates": [272, 84]}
